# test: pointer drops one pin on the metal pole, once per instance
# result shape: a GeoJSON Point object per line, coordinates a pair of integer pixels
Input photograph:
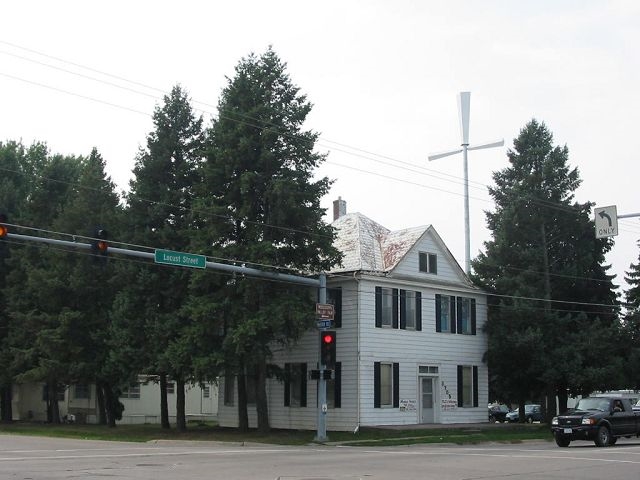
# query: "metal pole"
{"type": "Point", "coordinates": [321, 435]}
{"type": "Point", "coordinates": [467, 234]}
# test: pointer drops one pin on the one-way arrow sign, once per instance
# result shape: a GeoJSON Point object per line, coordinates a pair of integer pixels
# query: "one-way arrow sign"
{"type": "Point", "coordinates": [606, 219]}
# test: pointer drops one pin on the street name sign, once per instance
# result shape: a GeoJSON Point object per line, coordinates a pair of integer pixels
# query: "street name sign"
{"type": "Point", "coordinates": [324, 311]}
{"type": "Point", "coordinates": [180, 259]}
{"type": "Point", "coordinates": [324, 324]}
{"type": "Point", "coordinates": [606, 219]}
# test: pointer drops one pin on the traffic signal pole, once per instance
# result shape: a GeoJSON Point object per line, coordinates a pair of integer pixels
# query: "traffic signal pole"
{"type": "Point", "coordinates": [320, 283]}
{"type": "Point", "coordinates": [321, 434]}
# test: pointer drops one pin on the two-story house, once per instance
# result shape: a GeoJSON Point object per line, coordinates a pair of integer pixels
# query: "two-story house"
{"type": "Point", "coordinates": [409, 338]}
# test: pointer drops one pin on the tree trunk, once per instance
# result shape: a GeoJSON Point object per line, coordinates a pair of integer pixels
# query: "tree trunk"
{"type": "Point", "coordinates": [102, 410]}
{"type": "Point", "coordinates": [262, 407]}
{"type": "Point", "coordinates": [111, 405]}
{"type": "Point", "coordinates": [181, 418]}
{"type": "Point", "coordinates": [243, 416]}
{"type": "Point", "coordinates": [53, 398]}
{"type": "Point", "coordinates": [562, 400]}
{"type": "Point", "coordinates": [164, 406]}
{"type": "Point", "coordinates": [6, 394]}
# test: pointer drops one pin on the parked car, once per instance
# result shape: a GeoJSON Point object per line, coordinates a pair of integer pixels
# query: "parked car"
{"type": "Point", "coordinates": [532, 413]}
{"type": "Point", "coordinates": [498, 412]}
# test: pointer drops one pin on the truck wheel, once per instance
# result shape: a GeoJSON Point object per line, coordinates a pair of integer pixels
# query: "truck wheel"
{"type": "Point", "coordinates": [562, 440]}
{"type": "Point", "coordinates": [613, 440]}
{"type": "Point", "coordinates": [603, 437]}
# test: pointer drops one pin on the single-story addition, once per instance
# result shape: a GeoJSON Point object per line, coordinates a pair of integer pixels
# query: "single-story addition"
{"type": "Point", "coordinates": [409, 338]}
{"type": "Point", "coordinates": [141, 401]}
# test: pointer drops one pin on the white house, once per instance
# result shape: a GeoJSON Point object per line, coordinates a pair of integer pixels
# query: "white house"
{"type": "Point", "coordinates": [141, 402]}
{"type": "Point", "coordinates": [409, 338]}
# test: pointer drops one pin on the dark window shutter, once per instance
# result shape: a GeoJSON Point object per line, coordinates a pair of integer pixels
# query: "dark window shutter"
{"type": "Point", "coordinates": [460, 389]}
{"type": "Point", "coordinates": [378, 307]}
{"type": "Point", "coordinates": [433, 263]}
{"type": "Point", "coordinates": [395, 308]}
{"type": "Point", "coordinates": [303, 384]}
{"type": "Point", "coordinates": [396, 385]}
{"type": "Point", "coordinates": [337, 386]}
{"type": "Point", "coordinates": [473, 316]}
{"type": "Point", "coordinates": [452, 313]}
{"type": "Point", "coordinates": [418, 311]}
{"type": "Point", "coordinates": [403, 309]}
{"type": "Point", "coordinates": [287, 384]}
{"type": "Point", "coordinates": [459, 316]}
{"type": "Point", "coordinates": [475, 386]}
{"type": "Point", "coordinates": [438, 312]}
{"type": "Point", "coordinates": [376, 385]}
{"type": "Point", "coordinates": [337, 318]}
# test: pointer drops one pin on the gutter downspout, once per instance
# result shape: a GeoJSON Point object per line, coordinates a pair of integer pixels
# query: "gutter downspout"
{"type": "Point", "coordinates": [357, 353]}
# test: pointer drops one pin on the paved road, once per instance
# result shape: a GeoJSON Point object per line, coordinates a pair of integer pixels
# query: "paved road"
{"type": "Point", "coordinates": [30, 458]}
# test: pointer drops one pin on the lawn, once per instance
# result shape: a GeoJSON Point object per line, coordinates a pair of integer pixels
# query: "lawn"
{"type": "Point", "coordinates": [364, 437]}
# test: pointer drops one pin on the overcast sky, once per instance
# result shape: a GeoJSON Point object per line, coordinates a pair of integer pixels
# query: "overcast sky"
{"type": "Point", "coordinates": [383, 77]}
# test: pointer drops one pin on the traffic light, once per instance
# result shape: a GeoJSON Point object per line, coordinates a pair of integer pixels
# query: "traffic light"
{"type": "Point", "coordinates": [3, 228]}
{"type": "Point", "coordinates": [328, 349]}
{"type": "Point", "coordinates": [99, 245]}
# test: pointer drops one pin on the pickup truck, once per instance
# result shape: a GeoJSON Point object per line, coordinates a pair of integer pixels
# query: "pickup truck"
{"type": "Point", "coordinates": [600, 419]}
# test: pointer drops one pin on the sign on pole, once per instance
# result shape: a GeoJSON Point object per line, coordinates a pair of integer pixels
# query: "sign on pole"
{"type": "Point", "coordinates": [180, 259]}
{"type": "Point", "coordinates": [606, 219]}
{"type": "Point", "coordinates": [324, 311]}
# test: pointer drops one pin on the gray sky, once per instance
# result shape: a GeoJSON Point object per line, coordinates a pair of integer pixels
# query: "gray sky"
{"type": "Point", "coordinates": [383, 77]}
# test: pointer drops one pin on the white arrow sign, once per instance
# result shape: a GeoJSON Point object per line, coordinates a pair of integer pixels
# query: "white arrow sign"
{"type": "Point", "coordinates": [606, 219]}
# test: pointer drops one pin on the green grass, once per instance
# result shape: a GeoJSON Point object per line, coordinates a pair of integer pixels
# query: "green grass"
{"type": "Point", "coordinates": [210, 432]}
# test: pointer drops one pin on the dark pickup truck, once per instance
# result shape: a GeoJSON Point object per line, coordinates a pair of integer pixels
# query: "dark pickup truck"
{"type": "Point", "coordinates": [601, 419]}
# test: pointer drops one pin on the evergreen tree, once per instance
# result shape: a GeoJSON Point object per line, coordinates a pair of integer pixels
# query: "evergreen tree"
{"type": "Point", "coordinates": [631, 326]}
{"type": "Point", "coordinates": [159, 215]}
{"type": "Point", "coordinates": [263, 210]}
{"type": "Point", "coordinates": [543, 247]}
{"type": "Point", "coordinates": [41, 324]}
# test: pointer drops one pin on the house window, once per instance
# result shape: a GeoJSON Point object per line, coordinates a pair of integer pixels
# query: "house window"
{"type": "Point", "coordinates": [410, 310]}
{"type": "Point", "coordinates": [428, 369]}
{"type": "Point", "coordinates": [466, 315]}
{"type": "Point", "coordinates": [171, 388]}
{"type": "Point", "coordinates": [132, 391]}
{"type": "Point", "coordinates": [467, 386]}
{"type": "Point", "coordinates": [386, 307]}
{"type": "Point", "coordinates": [206, 391]}
{"type": "Point", "coordinates": [428, 262]}
{"type": "Point", "coordinates": [229, 386]}
{"type": "Point", "coordinates": [81, 391]}
{"type": "Point", "coordinates": [445, 313]}
{"type": "Point", "coordinates": [295, 386]}
{"type": "Point", "coordinates": [386, 384]}
{"type": "Point", "coordinates": [59, 393]}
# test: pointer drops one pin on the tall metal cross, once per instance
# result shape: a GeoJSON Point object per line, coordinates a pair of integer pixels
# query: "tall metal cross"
{"type": "Point", "coordinates": [464, 101]}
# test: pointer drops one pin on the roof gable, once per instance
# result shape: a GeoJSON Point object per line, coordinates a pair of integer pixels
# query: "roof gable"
{"type": "Point", "coordinates": [368, 246]}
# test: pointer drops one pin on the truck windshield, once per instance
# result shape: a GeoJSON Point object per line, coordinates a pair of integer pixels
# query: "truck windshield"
{"type": "Point", "coordinates": [593, 404]}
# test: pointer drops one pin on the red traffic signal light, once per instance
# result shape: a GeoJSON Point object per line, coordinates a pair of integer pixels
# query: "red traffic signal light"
{"type": "Point", "coordinates": [328, 349]}
{"type": "Point", "coordinates": [99, 244]}
{"type": "Point", "coordinates": [3, 228]}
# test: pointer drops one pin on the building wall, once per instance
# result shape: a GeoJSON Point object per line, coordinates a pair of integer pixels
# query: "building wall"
{"type": "Point", "coordinates": [29, 405]}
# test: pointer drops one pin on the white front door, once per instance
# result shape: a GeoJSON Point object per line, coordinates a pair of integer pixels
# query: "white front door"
{"type": "Point", "coordinates": [427, 399]}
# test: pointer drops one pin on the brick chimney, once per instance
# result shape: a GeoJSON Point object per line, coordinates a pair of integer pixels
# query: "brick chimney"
{"type": "Point", "coordinates": [339, 208]}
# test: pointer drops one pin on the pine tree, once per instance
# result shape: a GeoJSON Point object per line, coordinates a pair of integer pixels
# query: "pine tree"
{"type": "Point", "coordinates": [632, 326]}
{"type": "Point", "coordinates": [543, 247]}
{"type": "Point", "coordinates": [264, 211]}
{"type": "Point", "coordinates": [159, 214]}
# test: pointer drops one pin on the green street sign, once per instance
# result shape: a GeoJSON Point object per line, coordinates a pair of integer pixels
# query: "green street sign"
{"type": "Point", "coordinates": [180, 259]}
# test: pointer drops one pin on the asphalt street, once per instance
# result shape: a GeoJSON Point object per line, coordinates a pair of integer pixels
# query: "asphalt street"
{"type": "Point", "coordinates": [35, 458]}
